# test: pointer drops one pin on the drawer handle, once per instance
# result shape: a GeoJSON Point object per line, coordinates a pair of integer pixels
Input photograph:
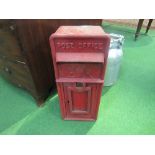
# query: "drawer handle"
{"type": "Point", "coordinates": [6, 69]}
{"type": "Point", "coordinates": [12, 27]}
{"type": "Point", "coordinates": [19, 85]}
{"type": "Point", "coordinates": [21, 62]}
{"type": "Point", "coordinates": [3, 56]}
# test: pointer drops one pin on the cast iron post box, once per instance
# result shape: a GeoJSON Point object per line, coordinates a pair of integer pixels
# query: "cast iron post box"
{"type": "Point", "coordinates": [79, 56]}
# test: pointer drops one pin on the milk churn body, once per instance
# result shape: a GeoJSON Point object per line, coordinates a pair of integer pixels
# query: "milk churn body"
{"type": "Point", "coordinates": [79, 56]}
{"type": "Point", "coordinates": [114, 59]}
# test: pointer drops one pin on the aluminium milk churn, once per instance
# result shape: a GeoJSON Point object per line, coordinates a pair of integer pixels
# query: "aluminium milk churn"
{"type": "Point", "coordinates": [114, 59]}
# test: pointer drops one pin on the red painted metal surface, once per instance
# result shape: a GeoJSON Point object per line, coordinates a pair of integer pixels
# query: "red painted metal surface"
{"type": "Point", "coordinates": [79, 55]}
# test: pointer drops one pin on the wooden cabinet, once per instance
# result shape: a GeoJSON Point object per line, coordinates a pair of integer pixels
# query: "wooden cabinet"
{"type": "Point", "coordinates": [25, 55]}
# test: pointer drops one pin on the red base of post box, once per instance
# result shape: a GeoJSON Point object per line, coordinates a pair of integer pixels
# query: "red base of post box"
{"type": "Point", "coordinates": [79, 56]}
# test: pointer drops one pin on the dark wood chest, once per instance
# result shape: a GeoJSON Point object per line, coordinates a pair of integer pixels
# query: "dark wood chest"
{"type": "Point", "coordinates": [25, 56]}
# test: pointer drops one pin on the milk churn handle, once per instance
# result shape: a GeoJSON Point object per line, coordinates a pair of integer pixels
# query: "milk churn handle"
{"type": "Point", "coordinates": [116, 39]}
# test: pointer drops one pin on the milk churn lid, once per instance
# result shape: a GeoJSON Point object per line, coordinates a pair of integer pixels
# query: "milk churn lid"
{"type": "Point", "coordinates": [117, 40]}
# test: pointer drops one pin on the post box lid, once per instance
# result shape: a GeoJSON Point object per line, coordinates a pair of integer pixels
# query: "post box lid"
{"type": "Point", "coordinates": [83, 30]}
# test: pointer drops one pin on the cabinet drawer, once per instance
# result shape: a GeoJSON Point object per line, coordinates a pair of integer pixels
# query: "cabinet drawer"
{"type": "Point", "coordinates": [9, 46]}
{"type": "Point", "coordinates": [17, 73]}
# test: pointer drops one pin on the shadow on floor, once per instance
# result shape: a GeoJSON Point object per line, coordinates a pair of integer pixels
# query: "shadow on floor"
{"type": "Point", "coordinates": [15, 104]}
{"type": "Point", "coordinates": [47, 120]}
{"type": "Point", "coordinates": [105, 90]}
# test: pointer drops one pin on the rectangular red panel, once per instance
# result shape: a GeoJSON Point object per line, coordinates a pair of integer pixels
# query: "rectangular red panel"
{"type": "Point", "coordinates": [80, 70]}
{"type": "Point", "coordinates": [79, 99]}
{"type": "Point", "coordinates": [83, 80]}
{"type": "Point", "coordinates": [79, 57]}
{"type": "Point", "coordinates": [72, 44]}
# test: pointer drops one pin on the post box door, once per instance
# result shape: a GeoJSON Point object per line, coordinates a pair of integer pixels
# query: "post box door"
{"type": "Point", "coordinates": [80, 100]}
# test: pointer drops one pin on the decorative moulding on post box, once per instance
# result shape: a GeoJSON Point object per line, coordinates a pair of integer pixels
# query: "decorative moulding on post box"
{"type": "Point", "coordinates": [79, 55]}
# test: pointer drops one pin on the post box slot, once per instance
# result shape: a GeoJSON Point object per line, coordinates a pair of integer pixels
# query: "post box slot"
{"type": "Point", "coordinates": [79, 57]}
{"type": "Point", "coordinates": [80, 70]}
{"type": "Point", "coordinates": [72, 80]}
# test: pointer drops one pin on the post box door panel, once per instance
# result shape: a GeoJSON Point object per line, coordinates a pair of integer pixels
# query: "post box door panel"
{"type": "Point", "coordinates": [80, 101]}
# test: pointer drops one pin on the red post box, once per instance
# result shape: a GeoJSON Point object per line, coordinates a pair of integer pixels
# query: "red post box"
{"type": "Point", "coordinates": [79, 56]}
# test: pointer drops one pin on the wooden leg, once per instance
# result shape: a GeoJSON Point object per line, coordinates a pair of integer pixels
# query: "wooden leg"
{"type": "Point", "coordinates": [40, 102]}
{"type": "Point", "coordinates": [140, 23]}
{"type": "Point", "coordinates": [148, 26]}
